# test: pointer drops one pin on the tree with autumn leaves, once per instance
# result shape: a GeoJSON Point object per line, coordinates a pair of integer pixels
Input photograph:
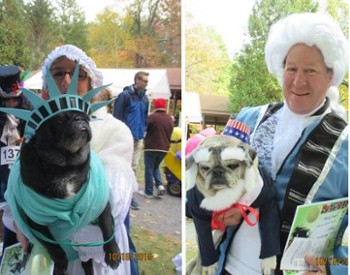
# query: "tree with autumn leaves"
{"type": "Point", "coordinates": [145, 33]}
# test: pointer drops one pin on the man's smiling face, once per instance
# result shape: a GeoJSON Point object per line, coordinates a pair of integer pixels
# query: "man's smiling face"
{"type": "Point", "coordinates": [306, 79]}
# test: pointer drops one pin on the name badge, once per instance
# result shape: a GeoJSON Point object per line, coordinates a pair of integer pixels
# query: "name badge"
{"type": "Point", "coordinates": [9, 154]}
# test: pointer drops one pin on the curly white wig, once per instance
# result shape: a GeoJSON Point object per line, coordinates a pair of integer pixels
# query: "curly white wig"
{"type": "Point", "coordinates": [73, 53]}
{"type": "Point", "coordinates": [312, 29]}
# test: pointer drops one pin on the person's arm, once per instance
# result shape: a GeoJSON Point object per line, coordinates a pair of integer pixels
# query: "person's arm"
{"type": "Point", "coordinates": [146, 114]}
{"type": "Point", "coordinates": [22, 238]}
{"type": "Point", "coordinates": [120, 105]}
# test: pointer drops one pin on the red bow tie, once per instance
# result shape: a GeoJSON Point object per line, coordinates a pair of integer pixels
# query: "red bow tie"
{"type": "Point", "coordinates": [220, 224]}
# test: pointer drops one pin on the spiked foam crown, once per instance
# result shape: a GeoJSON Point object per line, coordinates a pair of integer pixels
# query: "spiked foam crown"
{"type": "Point", "coordinates": [57, 103]}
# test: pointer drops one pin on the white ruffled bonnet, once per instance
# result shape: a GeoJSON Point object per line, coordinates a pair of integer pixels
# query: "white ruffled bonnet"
{"type": "Point", "coordinates": [73, 53]}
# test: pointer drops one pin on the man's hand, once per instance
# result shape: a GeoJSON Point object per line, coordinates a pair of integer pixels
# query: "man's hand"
{"type": "Point", "coordinates": [232, 217]}
{"type": "Point", "coordinates": [321, 269]}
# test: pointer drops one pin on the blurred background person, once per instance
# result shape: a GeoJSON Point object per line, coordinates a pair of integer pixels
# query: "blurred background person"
{"type": "Point", "coordinates": [131, 107]}
{"type": "Point", "coordinates": [156, 145]}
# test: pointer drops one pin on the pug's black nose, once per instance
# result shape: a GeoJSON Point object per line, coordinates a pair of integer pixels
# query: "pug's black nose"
{"type": "Point", "coordinates": [81, 123]}
{"type": "Point", "coordinates": [218, 171]}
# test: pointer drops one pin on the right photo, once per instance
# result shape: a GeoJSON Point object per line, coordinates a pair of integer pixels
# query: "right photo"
{"type": "Point", "coordinates": [265, 115]}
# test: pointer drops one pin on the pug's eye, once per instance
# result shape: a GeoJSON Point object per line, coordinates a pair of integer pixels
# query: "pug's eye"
{"type": "Point", "coordinates": [61, 120]}
{"type": "Point", "coordinates": [233, 166]}
{"type": "Point", "coordinates": [205, 168]}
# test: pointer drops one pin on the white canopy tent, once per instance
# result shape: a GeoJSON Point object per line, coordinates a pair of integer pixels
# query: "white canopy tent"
{"type": "Point", "coordinates": [191, 106]}
{"type": "Point", "coordinates": [158, 85]}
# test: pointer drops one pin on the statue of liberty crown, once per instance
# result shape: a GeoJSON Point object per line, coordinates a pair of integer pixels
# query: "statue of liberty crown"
{"type": "Point", "coordinates": [57, 103]}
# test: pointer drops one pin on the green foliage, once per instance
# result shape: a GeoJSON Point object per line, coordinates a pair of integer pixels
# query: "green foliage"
{"type": "Point", "coordinates": [207, 60]}
{"type": "Point", "coordinates": [41, 32]}
{"type": "Point", "coordinates": [72, 28]}
{"type": "Point", "coordinates": [251, 83]}
{"type": "Point", "coordinates": [339, 10]}
{"type": "Point", "coordinates": [12, 33]}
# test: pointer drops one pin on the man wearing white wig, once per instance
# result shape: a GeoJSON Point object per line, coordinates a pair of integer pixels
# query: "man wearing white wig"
{"type": "Point", "coordinates": [113, 143]}
{"type": "Point", "coordinates": [309, 54]}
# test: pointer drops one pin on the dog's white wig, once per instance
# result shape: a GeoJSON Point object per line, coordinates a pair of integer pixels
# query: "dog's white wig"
{"type": "Point", "coordinates": [76, 54]}
{"type": "Point", "coordinates": [312, 29]}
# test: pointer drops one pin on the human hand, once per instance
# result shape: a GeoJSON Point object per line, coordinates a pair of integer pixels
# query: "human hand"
{"type": "Point", "coordinates": [22, 239]}
{"type": "Point", "coordinates": [321, 269]}
{"type": "Point", "coordinates": [231, 217]}
{"type": "Point", "coordinates": [19, 141]}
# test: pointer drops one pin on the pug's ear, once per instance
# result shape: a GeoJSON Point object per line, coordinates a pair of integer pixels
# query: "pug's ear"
{"type": "Point", "coordinates": [251, 176]}
{"type": "Point", "coordinates": [250, 154]}
{"type": "Point", "coordinates": [189, 161]}
{"type": "Point", "coordinates": [191, 172]}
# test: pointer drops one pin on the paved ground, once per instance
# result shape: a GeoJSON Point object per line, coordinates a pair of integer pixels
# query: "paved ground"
{"type": "Point", "coordinates": [160, 215]}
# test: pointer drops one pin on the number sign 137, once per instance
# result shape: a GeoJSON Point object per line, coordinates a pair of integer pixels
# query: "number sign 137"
{"type": "Point", "coordinates": [9, 154]}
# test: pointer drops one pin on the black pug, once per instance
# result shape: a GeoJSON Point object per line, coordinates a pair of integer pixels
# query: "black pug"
{"type": "Point", "coordinates": [55, 163]}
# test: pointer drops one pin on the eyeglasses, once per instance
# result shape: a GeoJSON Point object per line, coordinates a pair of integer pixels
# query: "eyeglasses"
{"type": "Point", "coordinates": [59, 75]}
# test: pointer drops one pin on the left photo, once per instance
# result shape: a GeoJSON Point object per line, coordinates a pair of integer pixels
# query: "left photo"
{"type": "Point", "coordinates": [90, 137]}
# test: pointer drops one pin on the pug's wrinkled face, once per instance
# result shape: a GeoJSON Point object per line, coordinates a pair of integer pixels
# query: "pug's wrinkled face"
{"type": "Point", "coordinates": [65, 132]}
{"type": "Point", "coordinates": [69, 130]}
{"type": "Point", "coordinates": [222, 162]}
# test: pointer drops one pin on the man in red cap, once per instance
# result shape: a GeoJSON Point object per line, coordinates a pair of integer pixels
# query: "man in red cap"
{"type": "Point", "coordinates": [156, 144]}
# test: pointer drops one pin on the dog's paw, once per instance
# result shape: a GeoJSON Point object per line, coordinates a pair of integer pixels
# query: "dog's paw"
{"type": "Point", "coordinates": [268, 265]}
{"type": "Point", "coordinates": [210, 270]}
{"type": "Point", "coordinates": [112, 254]}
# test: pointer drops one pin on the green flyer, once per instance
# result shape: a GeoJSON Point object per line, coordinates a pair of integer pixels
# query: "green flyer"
{"type": "Point", "coordinates": [313, 233]}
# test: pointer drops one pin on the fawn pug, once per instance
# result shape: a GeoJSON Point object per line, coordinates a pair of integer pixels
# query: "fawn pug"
{"type": "Point", "coordinates": [224, 170]}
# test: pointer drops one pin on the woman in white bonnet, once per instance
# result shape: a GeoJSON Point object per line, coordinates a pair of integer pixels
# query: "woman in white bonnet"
{"type": "Point", "coordinates": [113, 143]}
{"type": "Point", "coordinates": [307, 132]}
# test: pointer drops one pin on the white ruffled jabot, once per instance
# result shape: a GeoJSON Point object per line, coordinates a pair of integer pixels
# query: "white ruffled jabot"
{"type": "Point", "coordinates": [289, 129]}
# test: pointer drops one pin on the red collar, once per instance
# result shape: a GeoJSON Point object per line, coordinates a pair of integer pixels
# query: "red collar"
{"type": "Point", "coordinates": [220, 224]}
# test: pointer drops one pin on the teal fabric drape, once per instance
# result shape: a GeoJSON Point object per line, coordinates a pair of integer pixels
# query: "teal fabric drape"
{"type": "Point", "coordinates": [62, 216]}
